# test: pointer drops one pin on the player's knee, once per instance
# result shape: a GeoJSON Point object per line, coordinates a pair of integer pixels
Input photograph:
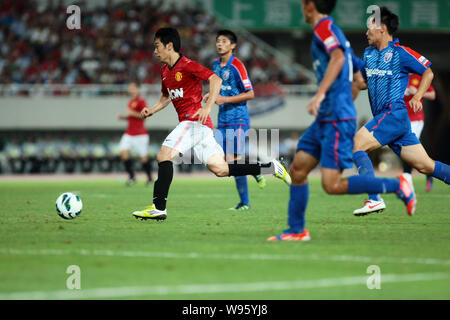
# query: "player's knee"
{"type": "Point", "coordinates": [219, 171]}
{"type": "Point", "coordinates": [163, 156]}
{"type": "Point", "coordinates": [331, 187]}
{"type": "Point", "coordinates": [425, 168]}
{"type": "Point", "coordinates": [357, 143]}
{"type": "Point", "coordinates": [298, 174]}
{"type": "Point", "coordinates": [124, 155]}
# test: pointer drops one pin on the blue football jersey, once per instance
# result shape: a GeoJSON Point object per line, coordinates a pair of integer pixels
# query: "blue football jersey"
{"type": "Point", "coordinates": [338, 102]}
{"type": "Point", "coordinates": [387, 73]}
{"type": "Point", "coordinates": [235, 81]}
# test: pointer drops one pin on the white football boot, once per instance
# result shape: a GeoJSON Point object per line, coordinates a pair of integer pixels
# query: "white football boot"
{"type": "Point", "coordinates": [370, 206]}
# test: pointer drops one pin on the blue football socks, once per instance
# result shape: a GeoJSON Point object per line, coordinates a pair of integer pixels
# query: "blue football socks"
{"type": "Point", "coordinates": [442, 172]}
{"type": "Point", "coordinates": [365, 167]}
{"type": "Point", "coordinates": [297, 207]}
{"type": "Point", "coordinates": [242, 188]}
{"type": "Point", "coordinates": [366, 184]}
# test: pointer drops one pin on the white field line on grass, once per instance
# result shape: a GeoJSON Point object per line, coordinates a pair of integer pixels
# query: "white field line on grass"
{"type": "Point", "coordinates": [165, 290]}
{"type": "Point", "coordinates": [225, 256]}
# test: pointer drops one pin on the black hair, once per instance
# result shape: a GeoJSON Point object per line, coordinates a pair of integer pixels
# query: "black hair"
{"type": "Point", "coordinates": [166, 35]}
{"type": "Point", "coordinates": [227, 33]}
{"type": "Point", "coordinates": [389, 19]}
{"type": "Point", "coordinates": [324, 6]}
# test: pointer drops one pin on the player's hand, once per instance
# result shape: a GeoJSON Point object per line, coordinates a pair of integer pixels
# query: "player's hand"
{"type": "Point", "coordinates": [205, 97]}
{"type": "Point", "coordinates": [146, 112]}
{"type": "Point", "coordinates": [410, 91]}
{"type": "Point", "coordinates": [415, 104]}
{"type": "Point", "coordinates": [314, 104]}
{"type": "Point", "coordinates": [122, 117]}
{"type": "Point", "coordinates": [220, 100]}
{"type": "Point", "coordinates": [202, 114]}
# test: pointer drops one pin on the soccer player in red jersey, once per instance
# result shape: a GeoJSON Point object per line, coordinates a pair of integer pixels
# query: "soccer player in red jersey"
{"type": "Point", "coordinates": [417, 119]}
{"type": "Point", "coordinates": [136, 137]}
{"type": "Point", "coordinates": [182, 85]}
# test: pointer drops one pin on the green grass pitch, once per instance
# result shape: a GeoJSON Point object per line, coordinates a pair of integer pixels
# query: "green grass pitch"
{"type": "Point", "coordinates": [204, 251]}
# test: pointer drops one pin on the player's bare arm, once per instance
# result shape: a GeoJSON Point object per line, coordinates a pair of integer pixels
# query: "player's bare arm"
{"type": "Point", "coordinates": [245, 96]}
{"type": "Point", "coordinates": [337, 60]}
{"type": "Point", "coordinates": [358, 84]}
{"type": "Point", "coordinates": [161, 104]}
{"type": "Point", "coordinates": [425, 83]}
{"type": "Point", "coordinates": [214, 88]}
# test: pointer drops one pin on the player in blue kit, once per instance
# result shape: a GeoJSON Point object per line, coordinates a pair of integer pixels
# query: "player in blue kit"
{"type": "Point", "coordinates": [233, 118]}
{"type": "Point", "coordinates": [329, 139]}
{"type": "Point", "coordinates": [387, 65]}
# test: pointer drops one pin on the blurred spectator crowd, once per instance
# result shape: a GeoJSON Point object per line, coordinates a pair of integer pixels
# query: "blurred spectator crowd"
{"type": "Point", "coordinates": [113, 45]}
{"type": "Point", "coordinates": [71, 154]}
{"type": "Point", "coordinates": [66, 155]}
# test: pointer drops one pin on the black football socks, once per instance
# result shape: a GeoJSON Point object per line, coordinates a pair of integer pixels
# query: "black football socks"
{"type": "Point", "coordinates": [162, 185]}
{"type": "Point", "coordinates": [129, 168]}
{"type": "Point", "coordinates": [243, 169]}
{"type": "Point", "coordinates": [146, 166]}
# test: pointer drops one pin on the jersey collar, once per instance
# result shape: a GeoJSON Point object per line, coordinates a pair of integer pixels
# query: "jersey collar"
{"type": "Point", "coordinates": [170, 68]}
{"type": "Point", "coordinates": [229, 61]}
{"type": "Point", "coordinates": [394, 42]}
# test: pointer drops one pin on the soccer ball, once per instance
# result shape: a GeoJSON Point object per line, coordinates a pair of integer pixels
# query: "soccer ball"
{"type": "Point", "coordinates": [68, 205]}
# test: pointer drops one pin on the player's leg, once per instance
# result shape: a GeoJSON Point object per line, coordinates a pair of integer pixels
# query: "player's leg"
{"type": "Point", "coordinates": [306, 158]}
{"type": "Point", "coordinates": [241, 185]}
{"type": "Point", "coordinates": [227, 138]}
{"type": "Point", "coordinates": [142, 149]}
{"type": "Point", "coordinates": [161, 187]}
{"type": "Point", "coordinates": [146, 167]}
{"type": "Point", "coordinates": [418, 158]}
{"type": "Point", "coordinates": [335, 156]}
{"type": "Point", "coordinates": [177, 142]}
{"type": "Point", "coordinates": [302, 164]}
{"type": "Point", "coordinates": [124, 147]}
{"type": "Point", "coordinates": [416, 128]}
{"type": "Point", "coordinates": [236, 139]}
{"type": "Point", "coordinates": [212, 155]}
{"type": "Point", "coordinates": [385, 128]}
{"type": "Point", "coordinates": [221, 168]}
{"type": "Point", "coordinates": [364, 142]}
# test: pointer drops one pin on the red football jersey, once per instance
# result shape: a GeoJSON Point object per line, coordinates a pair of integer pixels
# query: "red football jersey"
{"type": "Point", "coordinates": [183, 84]}
{"type": "Point", "coordinates": [414, 81]}
{"type": "Point", "coordinates": [135, 125]}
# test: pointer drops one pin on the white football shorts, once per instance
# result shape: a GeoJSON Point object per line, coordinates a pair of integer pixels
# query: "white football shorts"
{"type": "Point", "coordinates": [193, 134]}
{"type": "Point", "coordinates": [138, 144]}
{"type": "Point", "coordinates": [417, 127]}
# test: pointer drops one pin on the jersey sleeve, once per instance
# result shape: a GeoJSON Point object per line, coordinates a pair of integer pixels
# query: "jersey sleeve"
{"type": "Point", "coordinates": [327, 37]}
{"type": "Point", "coordinates": [363, 66]}
{"type": "Point", "coordinates": [163, 87]}
{"type": "Point", "coordinates": [412, 61]}
{"type": "Point", "coordinates": [242, 75]}
{"type": "Point", "coordinates": [199, 71]}
{"type": "Point", "coordinates": [358, 64]}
